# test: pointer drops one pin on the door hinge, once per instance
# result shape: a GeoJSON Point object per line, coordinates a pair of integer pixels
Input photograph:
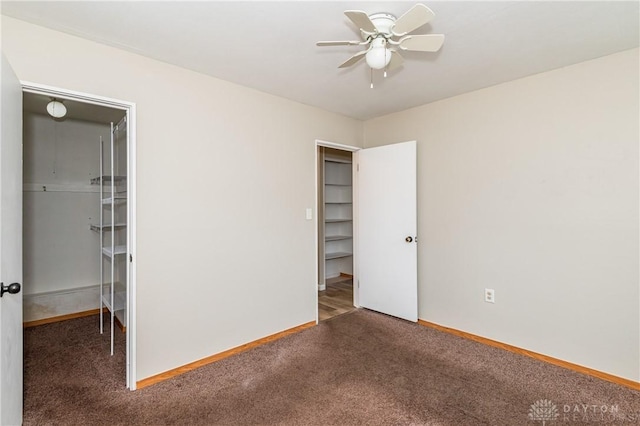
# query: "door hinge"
{"type": "Point", "coordinates": [130, 258]}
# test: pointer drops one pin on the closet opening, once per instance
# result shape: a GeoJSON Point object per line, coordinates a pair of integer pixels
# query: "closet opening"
{"type": "Point", "coordinates": [78, 204]}
{"type": "Point", "coordinates": [335, 232]}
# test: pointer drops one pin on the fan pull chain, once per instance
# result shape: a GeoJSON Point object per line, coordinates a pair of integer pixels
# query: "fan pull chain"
{"type": "Point", "coordinates": [385, 60]}
{"type": "Point", "coordinates": [371, 76]}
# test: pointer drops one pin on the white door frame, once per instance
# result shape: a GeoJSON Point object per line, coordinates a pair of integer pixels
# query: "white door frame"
{"type": "Point", "coordinates": [354, 180]}
{"type": "Point", "coordinates": [130, 109]}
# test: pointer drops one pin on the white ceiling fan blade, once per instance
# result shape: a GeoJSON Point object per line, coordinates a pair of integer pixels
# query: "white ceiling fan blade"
{"type": "Point", "coordinates": [396, 61]}
{"type": "Point", "coordinates": [352, 60]}
{"type": "Point", "coordinates": [339, 43]}
{"type": "Point", "coordinates": [361, 19]}
{"type": "Point", "coordinates": [422, 43]}
{"type": "Point", "coordinates": [414, 18]}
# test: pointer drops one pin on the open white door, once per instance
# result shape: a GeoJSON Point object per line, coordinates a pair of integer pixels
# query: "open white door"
{"type": "Point", "coordinates": [387, 222]}
{"type": "Point", "coordinates": [10, 247]}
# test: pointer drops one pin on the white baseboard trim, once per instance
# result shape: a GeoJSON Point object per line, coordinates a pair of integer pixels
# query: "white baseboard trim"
{"type": "Point", "coordinates": [62, 302]}
{"type": "Point", "coordinates": [322, 287]}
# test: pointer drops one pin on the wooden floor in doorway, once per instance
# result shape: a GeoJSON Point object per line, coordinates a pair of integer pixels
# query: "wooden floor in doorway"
{"type": "Point", "coordinates": [337, 299]}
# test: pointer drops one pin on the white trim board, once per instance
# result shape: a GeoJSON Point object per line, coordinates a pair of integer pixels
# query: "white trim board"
{"type": "Point", "coordinates": [335, 145]}
{"type": "Point", "coordinates": [47, 187]}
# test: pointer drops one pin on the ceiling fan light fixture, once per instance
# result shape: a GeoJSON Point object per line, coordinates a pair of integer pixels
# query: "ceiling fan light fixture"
{"type": "Point", "coordinates": [56, 109]}
{"type": "Point", "coordinates": [378, 57]}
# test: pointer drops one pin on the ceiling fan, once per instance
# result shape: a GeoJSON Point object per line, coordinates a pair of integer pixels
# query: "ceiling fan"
{"type": "Point", "coordinates": [386, 36]}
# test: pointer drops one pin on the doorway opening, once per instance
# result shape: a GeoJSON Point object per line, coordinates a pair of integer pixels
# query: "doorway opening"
{"type": "Point", "coordinates": [78, 213]}
{"type": "Point", "coordinates": [335, 207]}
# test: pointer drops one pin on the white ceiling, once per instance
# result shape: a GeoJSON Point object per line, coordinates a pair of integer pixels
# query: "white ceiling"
{"type": "Point", "coordinates": [270, 46]}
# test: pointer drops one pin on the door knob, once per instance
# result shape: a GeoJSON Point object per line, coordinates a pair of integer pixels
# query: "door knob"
{"type": "Point", "coordinates": [11, 289]}
{"type": "Point", "coordinates": [408, 239]}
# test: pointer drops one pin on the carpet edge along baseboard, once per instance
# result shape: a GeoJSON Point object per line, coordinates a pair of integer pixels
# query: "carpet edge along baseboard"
{"type": "Point", "coordinates": [65, 317]}
{"type": "Point", "coordinates": [540, 357]}
{"type": "Point", "coordinates": [219, 356]}
{"type": "Point", "coordinates": [71, 316]}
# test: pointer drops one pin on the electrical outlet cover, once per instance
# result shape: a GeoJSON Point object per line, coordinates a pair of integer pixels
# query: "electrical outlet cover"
{"type": "Point", "coordinates": [489, 295]}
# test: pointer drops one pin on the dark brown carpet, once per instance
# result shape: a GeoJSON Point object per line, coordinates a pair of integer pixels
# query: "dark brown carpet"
{"type": "Point", "coordinates": [358, 368]}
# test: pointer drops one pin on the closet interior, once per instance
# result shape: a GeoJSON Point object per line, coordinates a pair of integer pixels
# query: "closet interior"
{"type": "Point", "coordinates": [335, 232]}
{"type": "Point", "coordinates": [74, 212]}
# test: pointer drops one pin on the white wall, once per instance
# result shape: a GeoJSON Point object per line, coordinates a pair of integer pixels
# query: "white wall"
{"type": "Point", "coordinates": [60, 251]}
{"type": "Point", "coordinates": [531, 188]}
{"type": "Point", "coordinates": [225, 173]}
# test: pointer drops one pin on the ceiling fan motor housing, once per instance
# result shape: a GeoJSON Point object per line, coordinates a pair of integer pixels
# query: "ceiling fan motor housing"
{"type": "Point", "coordinates": [383, 23]}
